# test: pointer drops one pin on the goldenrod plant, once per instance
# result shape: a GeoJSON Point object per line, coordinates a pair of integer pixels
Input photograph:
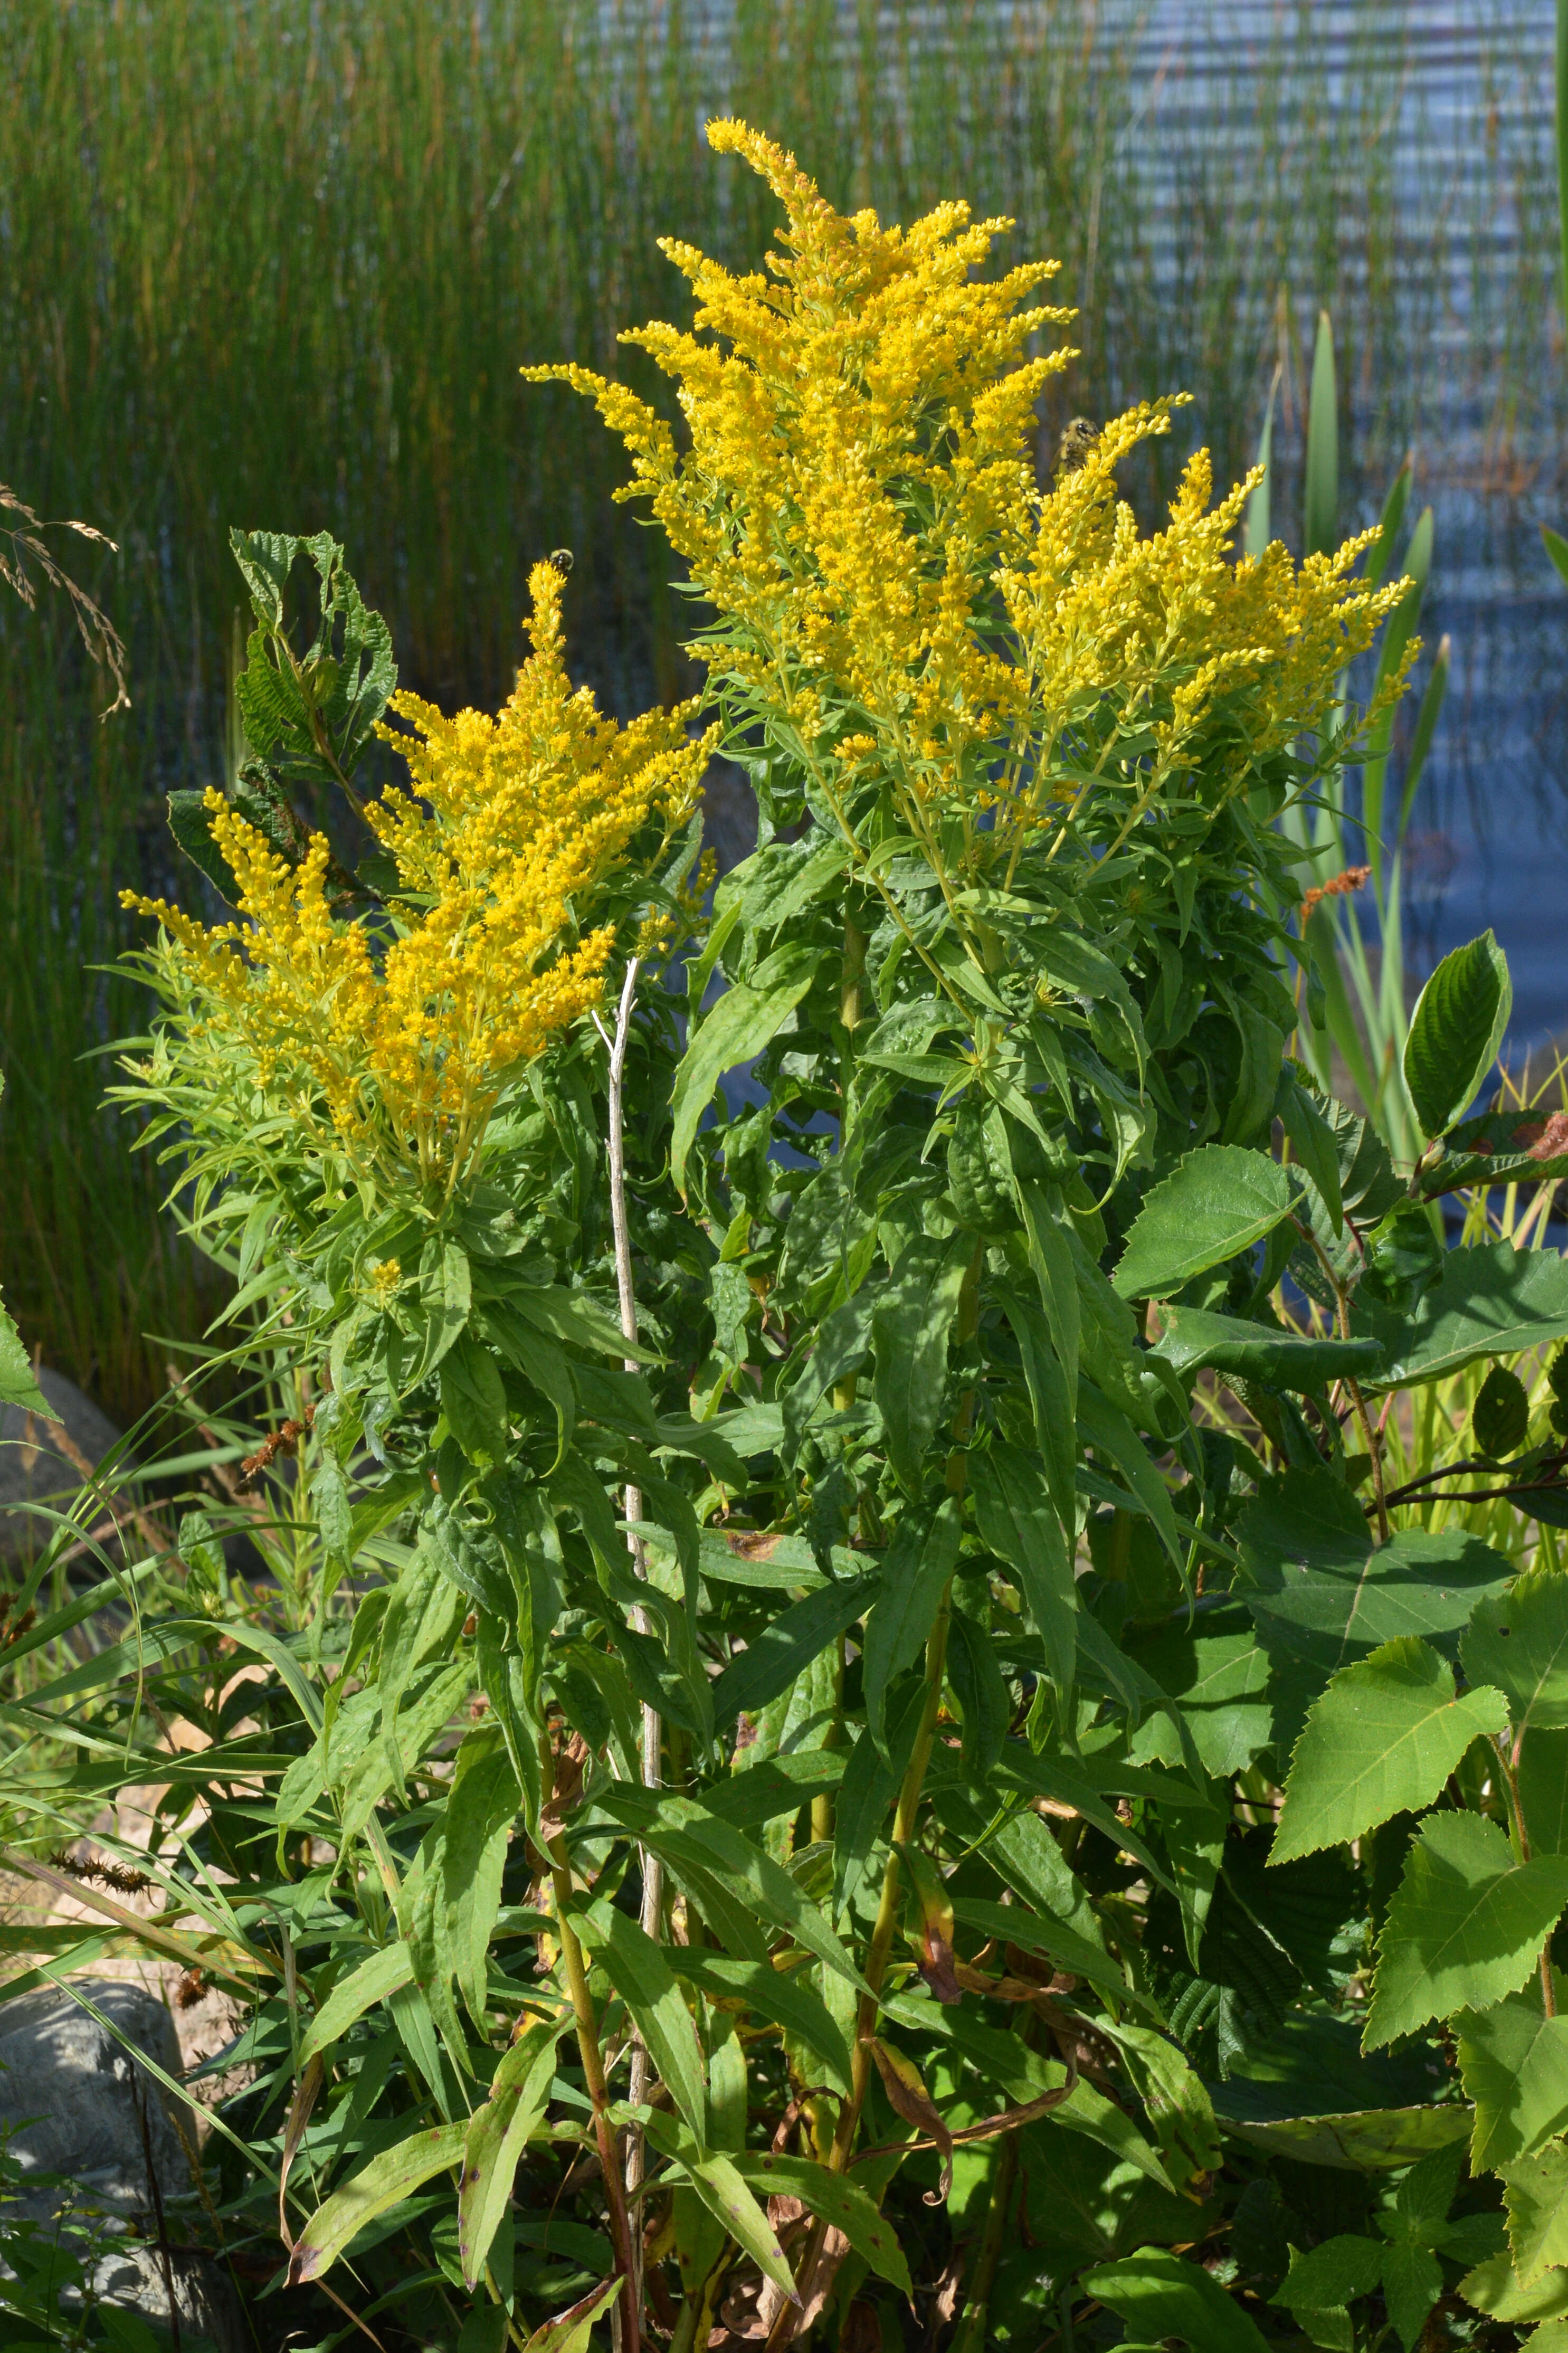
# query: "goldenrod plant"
{"type": "Point", "coordinates": [875, 1724]}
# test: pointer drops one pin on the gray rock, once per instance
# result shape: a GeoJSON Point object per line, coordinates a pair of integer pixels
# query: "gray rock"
{"type": "Point", "coordinates": [209, 2308]}
{"type": "Point", "coordinates": [32, 1466]}
{"type": "Point", "coordinates": [76, 2103]}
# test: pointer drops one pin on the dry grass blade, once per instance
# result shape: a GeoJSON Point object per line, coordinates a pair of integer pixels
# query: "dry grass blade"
{"type": "Point", "coordinates": [103, 641]}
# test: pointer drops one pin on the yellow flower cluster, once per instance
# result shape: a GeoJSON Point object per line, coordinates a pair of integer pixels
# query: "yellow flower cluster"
{"type": "Point", "coordinates": [859, 498]}
{"type": "Point", "coordinates": [507, 850]}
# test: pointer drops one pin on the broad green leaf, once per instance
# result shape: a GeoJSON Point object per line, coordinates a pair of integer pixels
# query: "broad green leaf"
{"type": "Point", "coordinates": [445, 1295]}
{"type": "Point", "coordinates": [1464, 1927]}
{"type": "Point", "coordinates": [1489, 1301]}
{"type": "Point", "coordinates": [641, 1974]}
{"type": "Point", "coordinates": [836, 2196]}
{"type": "Point", "coordinates": [784, 1997]}
{"type": "Point", "coordinates": [911, 1316]}
{"type": "Point", "coordinates": [1215, 1203]}
{"type": "Point", "coordinates": [1535, 2192]}
{"type": "Point", "coordinates": [571, 2331]}
{"type": "Point", "coordinates": [1543, 1791]}
{"type": "Point", "coordinates": [920, 1561]}
{"type": "Point", "coordinates": [373, 1981]}
{"type": "Point", "coordinates": [1411, 2283]}
{"type": "Point", "coordinates": [392, 2175]}
{"type": "Point", "coordinates": [1314, 1143]}
{"type": "Point", "coordinates": [1382, 1740]}
{"type": "Point", "coordinates": [1017, 1519]}
{"type": "Point", "coordinates": [572, 1316]}
{"type": "Point", "coordinates": [786, 1646]}
{"type": "Point", "coordinates": [1218, 1678]}
{"type": "Point", "coordinates": [1159, 2295]}
{"type": "Point", "coordinates": [1333, 2274]}
{"type": "Point", "coordinates": [473, 1398]}
{"type": "Point", "coordinates": [1193, 1338]}
{"type": "Point", "coordinates": [1513, 2061]}
{"type": "Point", "coordinates": [746, 1018]}
{"type": "Point", "coordinates": [1501, 1415]}
{"type": "Point", "coordinates": [499, 2131]}
{"type": "Point", "coordinates": [1495, 2288]}
{"type": "Point", "coordinates": [18, 1383]}
{"type": "Point", "coordinates": [1518, 1641]}
{"type": "Point", "coordinates": [1454, 1032]}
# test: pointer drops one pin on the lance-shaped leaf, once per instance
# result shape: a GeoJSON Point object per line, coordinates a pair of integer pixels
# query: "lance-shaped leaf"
{"type": "Point", "coordinates": [1159, 2295]}
{"type": "Point", "coordinates": [920, 1561]}
{"type": "Point", "coordinates": [786, 1647]}
{"type": "Point", "coordinates": [905, 2087]}
{"type": "Point", "coordinates": [373, 1981]}
{"type": "Point", "coordinates": [1017, 1520]}
{"type": "Point", "coordinates": [928, 1923]}
{"type": "Point", "coordinates": [976, 1679]}
{"type": "Point", "coordinates": [571, 2331]}
{"type": "Point", "coordinates": [838, 2197]}
{"type": "Point", "coordinates": [393, 2175]}
{"type": "Point", "coordinates": [745, 1019]}
{"type": "Point", "coordinates": [1382, 1740]}
{"type": "Point", "coordinates": [1215, 1203]}
{"type": "Point", "coordinates": [641, 1976]}
{"type": "Point", "coordinates": [1464, 1927]}
{"type": "Point", "coordinates": [499, 2131]}
{"type": "Point", "coordinates": [1518, 1641]}
{"type": "Point", "coordinates": [1514, 2061]}
{"type": "Point", "coordinates": [1193, 1338]}
{"type": "Point", "coordinates": [784, 1997]}
{"type": "Point", "coordinates": [722, 2188]}
{"type": "Point", "coordinates": [911, 1317]}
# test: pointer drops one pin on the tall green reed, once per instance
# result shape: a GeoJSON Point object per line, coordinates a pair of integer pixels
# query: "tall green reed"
{"type": "Point", "coordinates": [267, 264]}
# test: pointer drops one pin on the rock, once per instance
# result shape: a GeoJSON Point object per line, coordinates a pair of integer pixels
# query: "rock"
{"type": "Point", "coordinates": [209, 2308]}
{"type": "Point", "coordinates": [32, 1466]}
{"type": "Point", "coordinates": [75, 2103]}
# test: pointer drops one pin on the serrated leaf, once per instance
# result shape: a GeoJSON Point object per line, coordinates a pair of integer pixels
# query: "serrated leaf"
{"type": "Point", "coordinates": [746, 1019]}
{"type": "Point", "coordinates": [1535, 2192]}
{"type": "Point", "coordinates": [1017, 1520]}
{"type": "Point", "coordinates": [1411, 2283]}
{"type": "Point", "coordinates": [189, 822]}
{"type": "Point", "coordinates": [1216, 1202]}
{"type": "Point", "coordinates": [1513, 2061]}
{"type": "Point", "coordinates": [1489, 1301]}
{"type": "Point", "coordinates": [18, 1382]}
{"type": "Point", "coordinates": [1464, 1927]}
{"type": "Point", "coordinates": [912, 1315]}
{"type": "Point", "coordinates": [1382, 1740]}
{"type": "Point", "coordinates": [1455, 1032]}
{"type": "Point", "coordinates": [1196, 1338]}
{"type": "Point", "coordinates": [1494, 2289]}
{"type": "Point", "coordinates": [1518, 1641]}
{"type": "Point", "coordinates": [1314, 1143]}
{"type": "Point", "coordinates": [445, 1295]}
{"type": "Point", "coordinates": [392, 2175]}
{"type": "Point", "coordinates": [1332, 2276]}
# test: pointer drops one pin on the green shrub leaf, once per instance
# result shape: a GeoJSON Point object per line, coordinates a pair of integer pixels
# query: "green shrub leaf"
{"type": "Point", "coordinates": [1216, 1202]}
{"type": "Point", "coordinates": [1464, 1927]}
{"type": "Point", "coordinates": [745, 1019]}
{"type": "Point", "coordinates": [1518, 1641]}
{"type": "Point", "coordinates": [1454, 1032]}
{"type": "Point", "coordinates": [393, 2175]}
{"type": "Point", "coordinates": [1513, 2061]}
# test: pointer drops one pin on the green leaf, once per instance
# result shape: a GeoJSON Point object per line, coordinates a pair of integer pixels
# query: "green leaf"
{"type": "Point", "coordinates": [911, 1317]}
{"type": "Point", "coordinates": [1194, 1338]}
{"type": "Point", "coordinates": [499, 2131]}
{"type": "Point", "coordinates": [1518, 1641]}
{"type": "Point", "coordinates": [18, 1382]}
{"type": "Point", "coordinates": [722, 2188]}
{"type": "Point", "coordinates": [1543, 1791]}
{"type": "Point", "coordinates": [745, 1019]}
{"type": "Point", "coordinates": [1219, 1680]}
{"type": "Point", "coordinates": [1159, 2295]}
{"type": "Point", "coordinates": [982, 1694]}
{"type": "Point", "coordinates": [1331, 2276]}
{"type": "Point", "coordinates": [920, 1561]}
{"type": "Point", "coordinates": [1053, 1397]}
{"type": "Point", "coordinates": [642, 1977]}
{"type": "Point", "coordinates": [1102, 1425]}
{"type": "Point", "coordinates": [786, 1646]}
{"type": "Point", "coordinates": [1314, 1143]}
{"type": "Point", "coordinates": [1556, 548]}
{"type": "Point", "coordinates": [571, 2331]}
{"type": "Point", "coordinates": [1216, 1202]}
{"type": "Point", "coordinates": [1411, 2283]}
{"type": "Point", "coordinates": [473, 1400]}
{"type": "Point", "coordinates": [1489, 1301]}
{"type": "Point", "coordinates": [784, 1997]}
{"type": "Point", "coordinates": [844, 2204]}
{"type": "Point", "coordinates": [1454, 1032]}
{"type": "Point", "coordinates": [1501, 1415]}
{"type": "Point", "coordinates": [445, 1297]}
{"type": "Point", "coordinates": [1494, 2287]}
{"type": "Point", "coordinates": [1052, 1939]}
{"type": "Point", "coordinates": [1464, 1927]}
{"type": "Point", "coordinates": [189, 822]}
{"type": "Point", "coordinates": [1535, 2192]}
{"type": "Point", "coordinates": [1017, 1519]}
{"type": "Point", "coordinates": [373, 1981]}
{"type": "Point", "coordinates": [1321, 490]}
{"type": "Point", "coordinates": [1382, 1740]}
{"type": "Point", "coordinates": [480, 1815]}
{"type": "Point", "coordinates": [1513, 2061]}
{"type": "Point", "coordinates": [390, 2177]}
